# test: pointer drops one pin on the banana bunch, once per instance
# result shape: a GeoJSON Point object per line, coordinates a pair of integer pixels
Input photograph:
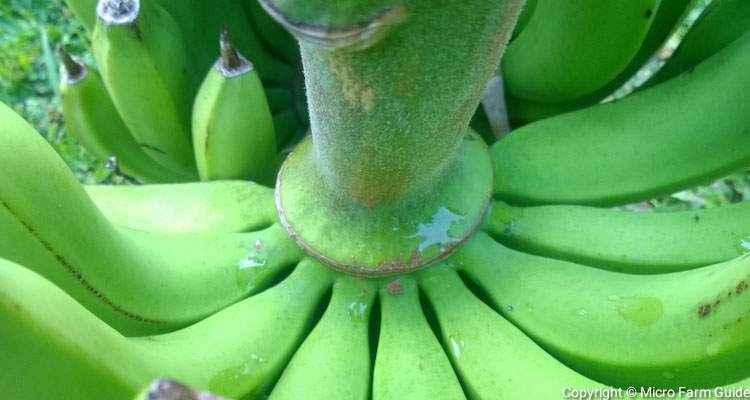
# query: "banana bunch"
{"type": "Point", "coordinates": [170, 105]}
{"type": "Point", "coordinates": [195, 290]}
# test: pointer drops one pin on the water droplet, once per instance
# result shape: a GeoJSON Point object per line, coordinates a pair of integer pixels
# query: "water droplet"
{"type": "Point", "coordinates": [436, 232]}
{"type": "Point", "coordinates": [713, 348]}
{"type": "Point", "coordinates": [257, 257]}
{"type": "Point", "coordinates": [457, 344]}
{"type": "Point", "coordinates": [252, 265]}
{"type": "Point", "coordinates": [667, 375]}
{"type": "Point", "coordinates": [238, 378]}
{"type": "Point", "coordinates": [582, 312]}
{"type": "Point", "coordinates": [252, 261]}
{"type": "Point", "coordinates": [642, 311]}
{"type": "Point", "coordinates": [509, 308]}
{"type": "Point", "coordinates": [745, 243]}
{"type": "Point", "coordinates": [357, 310]}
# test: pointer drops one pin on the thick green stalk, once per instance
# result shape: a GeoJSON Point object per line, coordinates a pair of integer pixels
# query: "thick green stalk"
{"type": "Point", "coordinates": [392, 85]}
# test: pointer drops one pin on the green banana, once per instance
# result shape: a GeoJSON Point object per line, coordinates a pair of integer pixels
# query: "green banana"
{"type": "Point", "coordinates": [93, 120]}
{"type": "Point", "coordinates": [492, 357]}
{"type": "Point", "coordinates": [571, 49]}
{"type": "Point", "coordinates": [219, 206]}
{"type": "Point", "coordinates": [528, 10]}
{"type": "Point", "coordinates": [576, 157]}
{"type": "Point", "coordinates": [85, 10]}
{"type": "Point", "coordinates": [51, 341]}
{"type": "Point", "coordinates": [722, 22]}
{"type": "Point", "coordinates": [53, 348]}
{"type": "Point", "coordinates": [233, 132]}
{"type": "Point", "coordinates": [275, 38]}
{"type": "Point", "coordinates": [202, 22]}
{"type": "Point", "coordinates": [58, 232]}
{"type": "Point", "coordinates": [146, 74]}
{"type": "Point", "coordinates": [410, 362]}
{"type": "Point", "coordinates": [334, 360]}
{"type": "Point", "coordinates": [621, 329]}
{"type": "Point", "coordinates": [666, 19]}
{"type": "Point", "coordinates": [631, 242]}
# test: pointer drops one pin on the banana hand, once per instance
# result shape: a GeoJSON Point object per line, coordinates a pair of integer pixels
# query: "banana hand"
{"type": "Point", "coordinates": [618, 328]}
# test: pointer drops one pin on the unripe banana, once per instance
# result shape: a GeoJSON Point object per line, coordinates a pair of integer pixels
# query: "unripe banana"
{"type": "Point", "coordinates": [93, 120]}
{"type": "Point", "coordinates": [202, 22]}
{"type": "Point", "coordinates": [54, 349]}
{"type": "Point", "coordinates": [334, 360]}
{"type": "Point", "coordinates": [410, 361]}
{"type": "Point", "coordinates": [273, 35]}
{"type": "Point", "coordinates": [525, 17]}
{"type": "Point", "coordinates": [666, 19]}
{"type": "Point", "coordinates": [631, 242]}
{"type": "Point", "coordinates": [576, 157]}
{"type": "Point", "coordinates": [136, 46]}
{"type": "Point", "coordinates": [152, 282]}
{"type": "Point", "coordinates": [722, 22]}
{"type": "Point", "coordinates": [493, 358]}
{"type": "Point", "coordinates": [571, 49]}
{"type": "Point", "coordinates": [684, 329]}
{"type": "Point", "coordinates": [220, 206]}
{"type": "Point", "coordinates": [233, 131]}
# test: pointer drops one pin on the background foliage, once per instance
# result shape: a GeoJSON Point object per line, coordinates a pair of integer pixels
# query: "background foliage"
{"type": "Point", "coordinates": [29, 76]}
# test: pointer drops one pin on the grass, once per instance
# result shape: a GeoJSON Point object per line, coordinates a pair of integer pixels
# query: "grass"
{"type": "Point", "coordinates": [29, 76]}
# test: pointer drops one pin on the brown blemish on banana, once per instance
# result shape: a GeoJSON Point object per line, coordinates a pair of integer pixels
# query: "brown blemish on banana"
{"type": "Point", "coordinates": [706, 308]}
{"type": "Point", "coordinates": [395, 287]}
{"type": "Point", "coordinates": [358, 36]}
{"type": "Point", "coordinates": [76, 273]}
{"type": "Point", "coordinates": [356, 93]}
{"type": "Point", "coordinates": [147, 146]}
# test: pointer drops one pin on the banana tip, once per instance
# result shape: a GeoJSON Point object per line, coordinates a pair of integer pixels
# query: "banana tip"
{"type": "Point", "coordinates": [118, 12]}
{"type": "Point", "coordinates": [231, 63]}
{"type": "Point", "coordinates": [73, 71]}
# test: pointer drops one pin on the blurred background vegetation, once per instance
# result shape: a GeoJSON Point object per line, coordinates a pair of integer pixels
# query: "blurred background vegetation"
{"type": "Point", "coordinates": [29, 81]}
